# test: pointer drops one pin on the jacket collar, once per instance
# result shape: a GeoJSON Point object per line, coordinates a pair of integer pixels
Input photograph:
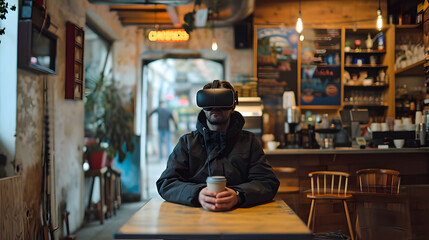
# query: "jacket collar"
{"type": "Point", "coordinates": [217, 142]}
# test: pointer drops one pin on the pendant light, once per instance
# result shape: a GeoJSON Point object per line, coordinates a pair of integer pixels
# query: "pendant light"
{"type": "Point", "coordinates": [299, 25]}
{"type": "Point", "coordinates": [379, 18]}
{"type": "Point", "coordinates": [214, 42]}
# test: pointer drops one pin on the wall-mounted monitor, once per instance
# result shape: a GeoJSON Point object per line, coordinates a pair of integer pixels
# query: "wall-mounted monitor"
{"type": "Point", "coordinates": [37, 49]}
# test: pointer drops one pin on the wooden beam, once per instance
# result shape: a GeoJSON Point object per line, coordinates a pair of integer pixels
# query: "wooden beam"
{"type": "Point", "coordinates": [174, 16]}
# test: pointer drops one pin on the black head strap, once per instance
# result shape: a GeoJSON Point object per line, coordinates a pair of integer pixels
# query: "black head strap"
{"type": "Point", "coordinates": [215, 84]}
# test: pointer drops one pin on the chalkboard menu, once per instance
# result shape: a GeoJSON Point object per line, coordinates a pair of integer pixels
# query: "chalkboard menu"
{"type": "Point", "coordinates": [277, 54]}
{"type": "Point", "coordinates": [320, 83]}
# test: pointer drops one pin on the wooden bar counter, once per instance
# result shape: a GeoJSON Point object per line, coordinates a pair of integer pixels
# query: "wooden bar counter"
{"type": "Point", "coordinates": [412, 163]}
{"type": "Point", "coordinates": [159, 219]}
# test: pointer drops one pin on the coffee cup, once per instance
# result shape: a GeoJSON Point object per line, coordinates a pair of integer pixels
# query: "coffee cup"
{"type": "Point", "coordinates": [272, 145]}
{"type": "Point", "coordinates": [216, 183]}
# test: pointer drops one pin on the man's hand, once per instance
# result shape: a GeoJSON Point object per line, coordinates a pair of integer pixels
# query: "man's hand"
{"type": "Point", "coordinates": [222, 201]}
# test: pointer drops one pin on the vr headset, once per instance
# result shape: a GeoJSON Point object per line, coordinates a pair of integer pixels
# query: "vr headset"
{"type": "Point", "coordinates": [215, 97]}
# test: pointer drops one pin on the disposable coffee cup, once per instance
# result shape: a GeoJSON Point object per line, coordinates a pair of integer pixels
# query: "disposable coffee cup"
{"type": "Point", "coordinates": [216, 183]}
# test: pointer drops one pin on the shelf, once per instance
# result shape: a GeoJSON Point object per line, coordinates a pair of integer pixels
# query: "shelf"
{"type": "Point", "coordinates": [409, 26]}
{"type": "Point", "coordinates": [336, 48]}
{"type": "Point", "coordinates": [322, 65]}
{"type": "Point", "coordinates": [74, 62]}
{"type": "Point", "coordinates": [413, 69]}
{"type": "Point", "coordinates": [365, 51]}
{"type": "Point", "coordinates": [367, 87]}
{"type": "Point", "coordinates": [368, 105]}
{"type": "Point", "coordinates": [365, 66]}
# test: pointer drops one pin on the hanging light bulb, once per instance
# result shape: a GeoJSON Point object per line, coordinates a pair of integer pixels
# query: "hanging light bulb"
{"type": "Point", "coordinates": [379, 18]}
{"type": "Point", "coordinates": [214, 44]}
{"type": "Point", "coordinates": [299, 26]}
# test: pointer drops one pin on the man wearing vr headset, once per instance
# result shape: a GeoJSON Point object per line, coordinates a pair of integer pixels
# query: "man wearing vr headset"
{"type": "Point", "coordinates": [219, 147]}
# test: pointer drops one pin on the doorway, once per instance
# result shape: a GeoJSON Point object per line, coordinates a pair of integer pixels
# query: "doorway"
{"type": "Point", "coordinates": [173, 80]}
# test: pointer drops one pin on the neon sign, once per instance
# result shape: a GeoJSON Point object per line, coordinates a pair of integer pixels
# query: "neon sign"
{"type": "Point", "coordinates": [170, 35]}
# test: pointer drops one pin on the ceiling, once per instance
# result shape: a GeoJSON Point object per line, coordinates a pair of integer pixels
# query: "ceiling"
{"type": "Point", "coordinates": [170, 13]}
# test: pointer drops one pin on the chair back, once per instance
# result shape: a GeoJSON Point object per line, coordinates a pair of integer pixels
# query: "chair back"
{"type": "Point", "coordinates": [329, 183]}
{"type": "Point", "coordinates": [378, 181]}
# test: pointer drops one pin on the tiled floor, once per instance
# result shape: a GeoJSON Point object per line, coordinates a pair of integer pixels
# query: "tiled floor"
{"type": "Point", "coordinates": [96, 231]}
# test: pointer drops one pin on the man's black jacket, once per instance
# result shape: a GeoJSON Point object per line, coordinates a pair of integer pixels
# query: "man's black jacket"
{"type": "Point", "coordinates": [236, 154]}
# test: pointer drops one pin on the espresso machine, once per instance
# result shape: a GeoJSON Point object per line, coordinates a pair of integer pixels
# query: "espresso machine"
{"type": "Point", "coordinates": [292, 127]}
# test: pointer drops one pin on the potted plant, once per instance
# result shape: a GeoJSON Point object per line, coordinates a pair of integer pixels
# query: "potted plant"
{"type": "Point", "coordinates": [113, 126]}
{"type": "Point", "coordinates": [107, 122]}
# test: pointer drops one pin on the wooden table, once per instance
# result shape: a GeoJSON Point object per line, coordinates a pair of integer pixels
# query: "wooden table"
{"type": "Point", "coordinates": [159, 219]}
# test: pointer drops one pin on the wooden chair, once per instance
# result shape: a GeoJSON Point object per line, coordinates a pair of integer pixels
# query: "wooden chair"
{"type": "Point", "coordinates": [329, 185]}
{"type": "Point", "coordinates": [289, 185]}
{"type": "Point", "coordinates": [378, 181]}
{"type": "Point", "coordinates": [382, 211]}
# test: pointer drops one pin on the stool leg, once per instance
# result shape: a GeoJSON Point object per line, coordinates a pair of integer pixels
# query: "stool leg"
{"type": "Point", "coordinates": [101, 176]}
{"type": "Point", "coordinates": [310, 215]}
{"type": "Point", "coordinates": [348, 219]}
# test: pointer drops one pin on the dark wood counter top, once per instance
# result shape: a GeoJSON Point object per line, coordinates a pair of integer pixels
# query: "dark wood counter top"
{"type": "Point", "coordinates": [345, 151]}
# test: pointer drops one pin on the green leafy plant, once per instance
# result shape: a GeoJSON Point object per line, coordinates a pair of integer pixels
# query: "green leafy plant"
{"type": "Point", "coordinates": [4, 6]}
{"type": "Point", "coordinates": [106, 118]}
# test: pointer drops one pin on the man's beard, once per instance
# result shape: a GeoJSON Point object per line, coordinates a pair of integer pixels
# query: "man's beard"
{"type": "Point", "coordinates": [217, 121]}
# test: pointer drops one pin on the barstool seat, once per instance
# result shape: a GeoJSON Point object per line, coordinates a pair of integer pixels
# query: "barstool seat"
{"type": "Point", "coordinates": [287, 188]}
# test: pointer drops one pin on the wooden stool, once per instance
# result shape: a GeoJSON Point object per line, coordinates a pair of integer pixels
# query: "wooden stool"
{"type": "Point", "coordinates": [286, 188]}
{"type": "Point", "coordinates": [118, 188]}
{"type": "Point", "coordinates": [93, 173]}
{"type": "Point", "coordinates": [337, 191]}
{"type": "Point", "coordinates": [113, 190]}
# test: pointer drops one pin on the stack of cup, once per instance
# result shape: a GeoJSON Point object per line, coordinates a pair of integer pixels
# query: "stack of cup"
{"type": "Point", "coordinates": [384, 127]}
{"type": "Point", "coordinates": [375, 127]}
{"type": "Point", "coordinates": [419, 117]}
{"type": "Point", "coordinates": [408, 125]}
{"type": "Point", "coordinates": [398, 126]}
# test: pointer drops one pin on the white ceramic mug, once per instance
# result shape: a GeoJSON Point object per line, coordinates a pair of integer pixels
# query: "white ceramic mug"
{"type": "Point", "coordinates": [399, 143]}
{"type": "Point", "coordinates": [272, 145]}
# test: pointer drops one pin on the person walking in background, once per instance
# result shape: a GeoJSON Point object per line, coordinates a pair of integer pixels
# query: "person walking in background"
{"type": "Point", "coordinates": [164, 117]}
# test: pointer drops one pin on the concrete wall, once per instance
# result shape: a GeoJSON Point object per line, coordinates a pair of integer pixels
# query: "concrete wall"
{"type": "Point", "coordinates": [240, 60]}
{"type": "Point", "coordinates": [8, 66]}
{"type": "Point", "coordinates": [66, 125]}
